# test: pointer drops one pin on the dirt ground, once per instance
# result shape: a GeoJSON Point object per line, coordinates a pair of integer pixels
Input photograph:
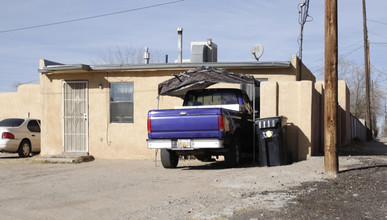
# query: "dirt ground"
{"type": "Point", "coordinates": [359, 192]}
{"type": "Point", "coordinates": [128, 189]}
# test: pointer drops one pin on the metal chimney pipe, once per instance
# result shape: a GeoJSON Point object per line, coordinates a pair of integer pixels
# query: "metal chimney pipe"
{"type": "Point", "coordinates": [179, 45]}
{"type": "Point", "coordinates": [146, 56]}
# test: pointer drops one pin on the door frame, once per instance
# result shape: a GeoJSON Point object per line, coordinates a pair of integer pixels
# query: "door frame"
{"type": "Point", "coordinates": [86, 82]}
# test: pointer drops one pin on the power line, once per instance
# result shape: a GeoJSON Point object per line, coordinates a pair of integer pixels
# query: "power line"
{"type": "Point", "coordinates": [32, 81]}
{"type": "Point", "coordinates": [377, 21]}
{"type": "Point", "coordinates": [377, 34]}
{"type": "Point", "coordinates": [379, 71]}
{"type": "Point", "coordinates": [342, 55]}
{"type": "Point", "coordinates": [91, 17]}
{"type": "Point", "coordinates": [351, 52]}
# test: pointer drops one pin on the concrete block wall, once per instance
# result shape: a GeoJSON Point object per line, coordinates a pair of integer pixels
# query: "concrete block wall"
{"type": "Point", "coordinates": [358, 130]}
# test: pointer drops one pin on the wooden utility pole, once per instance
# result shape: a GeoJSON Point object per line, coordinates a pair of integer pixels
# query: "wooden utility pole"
{"type": "Point", "coordinates": [331, 162]}
{"type": "Point", "coordinates": [368, 121]}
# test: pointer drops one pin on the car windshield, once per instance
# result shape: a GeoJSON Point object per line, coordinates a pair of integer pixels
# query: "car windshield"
{"type": "Point", "coordinates": [11, 122]}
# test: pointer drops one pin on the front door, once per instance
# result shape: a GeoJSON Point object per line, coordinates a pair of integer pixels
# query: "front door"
{"type": "Point", "coordinates": [75, 117]}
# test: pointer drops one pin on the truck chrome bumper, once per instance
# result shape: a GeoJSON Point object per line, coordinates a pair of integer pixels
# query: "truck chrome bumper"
{"type": "Point", "coordinates": [194, 144]}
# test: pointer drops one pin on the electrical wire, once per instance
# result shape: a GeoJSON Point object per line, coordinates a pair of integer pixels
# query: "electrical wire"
{"type": "Point", "coordinates": [319, 67]}
{"type": "Point", "coordinates": [351, 52]}
{"type": "Point", "coordinates": [379, 71]}
{"type": "Point", "coordinates": [378, 35]}
{"type": "Point", "coordinates": [341, 49]}
{"type": "Point", "coordinates": [36, 80]}
{"type": "Point", "coordinates": [90, 17]}
{"type": "Point", "coordinates": [379, 22]}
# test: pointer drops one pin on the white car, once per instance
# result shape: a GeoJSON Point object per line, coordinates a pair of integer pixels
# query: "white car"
{"type": "Point", "coordinates": [20, 135]}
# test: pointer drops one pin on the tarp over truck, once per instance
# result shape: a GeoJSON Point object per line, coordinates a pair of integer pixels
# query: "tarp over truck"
{"type": "Point", "coordinates": [201, 78]}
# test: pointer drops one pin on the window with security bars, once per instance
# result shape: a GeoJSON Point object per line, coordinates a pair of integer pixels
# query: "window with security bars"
{"type": "Point", "coordinates": [121, 102]}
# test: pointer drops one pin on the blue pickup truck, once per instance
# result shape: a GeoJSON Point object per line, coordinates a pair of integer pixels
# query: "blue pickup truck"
{"type": "Point", "coordinates": [211, 122]}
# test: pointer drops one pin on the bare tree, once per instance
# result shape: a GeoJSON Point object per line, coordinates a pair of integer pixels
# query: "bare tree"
{"type": "Point", "coordinates": [127, 55]}
{"type": "Point", "coordinates": [355, 78]}
{"type": "Point", "coordinates": [384, 126]}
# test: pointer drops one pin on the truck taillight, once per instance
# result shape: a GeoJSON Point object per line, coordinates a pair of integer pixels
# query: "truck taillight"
{"type": "Point", "coordinates": [149, 125]}
{"type": "Point", "coordinates": [7, 135]}
{"type": "Point", "coordinates": [221, 122]}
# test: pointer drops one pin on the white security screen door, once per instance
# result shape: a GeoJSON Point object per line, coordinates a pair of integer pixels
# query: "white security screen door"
{"type": "Point", "coordinates": [75, 117]}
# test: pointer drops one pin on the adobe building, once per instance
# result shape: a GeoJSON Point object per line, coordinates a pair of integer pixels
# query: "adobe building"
{"type": "Point", "coordinates": [101, 110]}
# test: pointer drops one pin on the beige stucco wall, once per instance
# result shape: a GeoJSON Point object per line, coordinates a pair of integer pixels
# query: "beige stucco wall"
{"type": "Point", "coordinates": [305, 72]}
{"type": "Point", "coordinates": [51, 134]}
{"type": "Point", "coordinates": [343, 113]}
{"type": "Point", "coordinates": [23, 103]}
{"type": "Point", "coordinates": [294, 101]}
{"type": "Point", "coordinates": [302, 102]}
{"type": "Point", "coordinates": [318, 118]}
{"type": "Point", "coordinates": [106, 140]}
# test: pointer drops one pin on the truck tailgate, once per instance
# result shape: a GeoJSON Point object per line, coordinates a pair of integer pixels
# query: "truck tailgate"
{"type": "Point", "coordinates": [185, 123]}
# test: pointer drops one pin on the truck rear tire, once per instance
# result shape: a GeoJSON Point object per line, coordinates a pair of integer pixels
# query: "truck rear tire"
{"type": "Point", "coordinates": [233, 156]}
{"type": "Point", "coordinates": [169, 159]}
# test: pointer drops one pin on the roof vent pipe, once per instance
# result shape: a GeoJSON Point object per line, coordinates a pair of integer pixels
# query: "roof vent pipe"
{"type": "Point", "coordinates": [180, 45]}
{"type": "Point", "coordinates": [146, 56]}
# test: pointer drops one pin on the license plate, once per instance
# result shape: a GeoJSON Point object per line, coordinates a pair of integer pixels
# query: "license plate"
{"type": "Point", "coordinates": [183, 143]}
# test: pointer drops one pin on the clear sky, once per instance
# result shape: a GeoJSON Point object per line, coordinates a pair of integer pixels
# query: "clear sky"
{"type": "Point", "coordinates": [235, 26]}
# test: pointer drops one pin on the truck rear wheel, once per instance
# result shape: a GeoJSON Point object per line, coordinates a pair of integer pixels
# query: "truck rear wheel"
{"type": "Point", "coordinates": [169, 159]}
{"type": "Point", "coordinates": [233, 156]}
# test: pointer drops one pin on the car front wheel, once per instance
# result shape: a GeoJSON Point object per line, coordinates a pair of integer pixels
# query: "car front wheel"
{"type": "Point", "coordinates": [24, 149]}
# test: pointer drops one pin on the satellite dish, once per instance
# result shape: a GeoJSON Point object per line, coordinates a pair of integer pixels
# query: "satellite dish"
{"type": "Point", "coordinates": [256, 51]}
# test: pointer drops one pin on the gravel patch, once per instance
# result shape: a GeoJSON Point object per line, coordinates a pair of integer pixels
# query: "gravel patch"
{"type": "Point", "coordinates": [129, 189]}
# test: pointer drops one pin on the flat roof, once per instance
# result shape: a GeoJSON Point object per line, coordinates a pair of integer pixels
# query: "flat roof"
{"type": "Point", "coordinates": [53, 67]}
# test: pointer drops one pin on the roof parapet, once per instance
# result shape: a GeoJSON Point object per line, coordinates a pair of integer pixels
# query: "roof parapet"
{"type": "Point", "coordinates": [46, 66]}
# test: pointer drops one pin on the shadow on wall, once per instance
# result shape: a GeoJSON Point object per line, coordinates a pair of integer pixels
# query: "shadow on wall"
{"type": "Point", "coordinates": [298, 147]}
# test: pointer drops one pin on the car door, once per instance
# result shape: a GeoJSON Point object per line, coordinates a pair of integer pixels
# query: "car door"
{"type": "Point", "coordinates": [33, 127]}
